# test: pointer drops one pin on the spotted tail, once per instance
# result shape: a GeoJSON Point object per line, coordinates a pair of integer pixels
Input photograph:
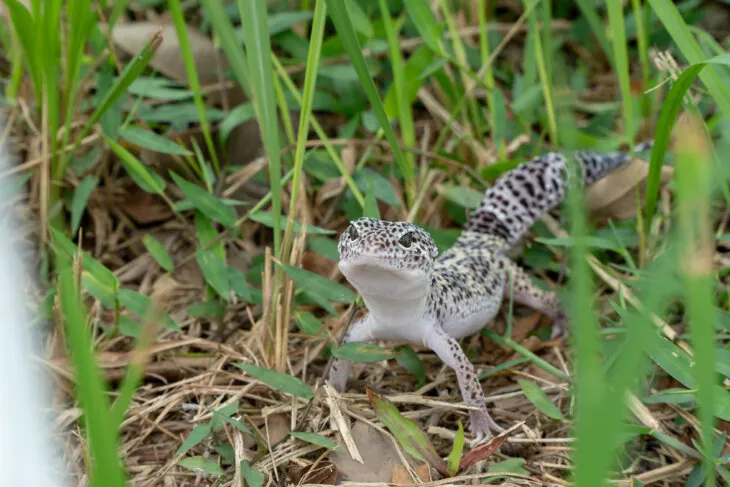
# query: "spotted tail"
{"type": "Point", "coordinates": [519, 197]}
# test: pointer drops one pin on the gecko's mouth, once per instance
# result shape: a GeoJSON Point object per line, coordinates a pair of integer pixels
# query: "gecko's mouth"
{"type": "Point", "coordinates": [368, 264]}
{"type": "Point", "coordinates": [372, 260]}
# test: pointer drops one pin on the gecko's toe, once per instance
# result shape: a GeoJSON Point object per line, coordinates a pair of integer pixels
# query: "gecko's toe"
{"type": "Point", "coordinates": [478, 439]}
{"type": "Point", "coordinates": [483, 427]}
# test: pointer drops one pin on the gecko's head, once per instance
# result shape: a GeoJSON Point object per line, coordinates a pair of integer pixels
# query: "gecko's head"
{"type": "Point", "coordinates": [374, 250]}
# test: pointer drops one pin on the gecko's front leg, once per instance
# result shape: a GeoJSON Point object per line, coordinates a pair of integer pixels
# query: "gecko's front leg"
{"type": "Point", "coordinates": [360, 331]}
{"type": "Point", "coordinates": [450, 352]}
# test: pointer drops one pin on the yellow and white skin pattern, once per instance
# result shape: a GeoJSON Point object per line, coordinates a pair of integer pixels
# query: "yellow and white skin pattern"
{"type": "Point", "coordinates": [416, 296]}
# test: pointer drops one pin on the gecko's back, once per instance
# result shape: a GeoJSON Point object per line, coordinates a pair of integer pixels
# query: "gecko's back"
{"type": "Point", "coordinates": [469, 277]}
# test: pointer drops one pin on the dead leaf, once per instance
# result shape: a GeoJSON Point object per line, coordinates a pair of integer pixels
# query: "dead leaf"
{"type": "Point", "coordinates": [402, 477]}
{"type": "Point", "coordinates": [313, 262]}
{"type": "Point", "coordinates": [411, 438]}
{"type": "Point", "coordinates": [334, 187]}
{"type": "Point", "coordinates": [322, 473]}
{"type": "Point", "coordinates": [615, 196]}
{"type": "Point", "coordinates": [145, 208]}
{"type": "Point", "coordinates": [163, 289]}
{"type": "Point", "coordinates": [277, 425]}
{"type": "Point", "coordinates": [378, 454]}
{"type": "Point", "coordinates": [132, 36]}
{"type": "Point", "coordinates": [486, 450]}
{"type": "Point", "coordinates": [523, 326]}
{"type": "Point", "coordinates": [189, 274]}
{"type": "Point", "coordinates": [243, 175]}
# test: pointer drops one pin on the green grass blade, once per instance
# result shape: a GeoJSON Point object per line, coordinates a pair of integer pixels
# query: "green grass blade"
{"type": "Point", "coordinates": [80, 198]}
{"type": "Point", "coordinates": [485, 52]}
{"type": "Point", "coordinates": [343, 24]}
{"type": "Point", "coordinates": [642, 39]}
{"type": "Point", "coordinates": [621, 66]}
{"type": "Point", "coordinates": [80, 17]}
{"type": "Point", "coordinates": [421, 15]}
{"type": "Point", "coordinates": [452, 463]}
{"type": "Point", "coordinates": [694, 234]}
{"type": "Point", "coordinates": [130, 73]}
{"type": "Point", "coordinates": [102, 432]}
{"type": "Point", "coordinates": [152, 141]}
{"type": "Point", "coordinates": [542, 67]}
{"type": "Point", "coordinates": [258, 50]}
{"type": "Point", "coordinates": [351, 185]}
{"type": "Point", "coordinates": [405, 114]}
{"type": "Point", "coordinates": [310, 80]}
{"type": "Point", "coordinates": [588, 8]}
{"type": "Point", "coordinates": [280, 381]}
{"type": "Point", "coordinates": [25, 28]}
{"type": "Point", "coordinates": [409, 435]}
{"type": "Point", "coordinates": [590, 459]}
{"type": "Point", "coordinates": [51, 52]}
{"type": "Point", "coordinates": [229, 42]}
{"type": "Point", "coordinates": [150, 181]}
{"type": "Point", "coordinates": [541, 400]}
{"type": "Point", "coordinates": [665, 124]}
{"type": "Point", "coordinates": [457, 46]}
{"type": "Point", "coordinates": [135, 371]}
{"type": "Point", "coordinates": [679, 30]}
{"type": "Point", "coordinates": [546, 366]}
{"type": "Point", "coordinates": [192, 73]}
{"type": "Point", "coordinates": [158, 252]}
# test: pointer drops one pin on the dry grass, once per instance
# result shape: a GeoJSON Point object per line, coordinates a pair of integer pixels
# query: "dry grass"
{"type": "Point", "coordinates": [188, 373]}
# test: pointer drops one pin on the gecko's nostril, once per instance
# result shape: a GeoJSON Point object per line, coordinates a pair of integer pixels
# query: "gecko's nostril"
{"type": "Point", "coordinates": [352, 232]}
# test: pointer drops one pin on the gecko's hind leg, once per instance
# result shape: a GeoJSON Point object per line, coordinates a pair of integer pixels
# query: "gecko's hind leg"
{"type": "Point", "coordinates": [524, 291]}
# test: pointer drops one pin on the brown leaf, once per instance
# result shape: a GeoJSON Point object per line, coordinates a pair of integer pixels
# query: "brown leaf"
{"type": "Point", "coordinates": [400, 475]}
{"type": "Point", "coordinates": [523, 326]}
{"type": "Point", "coordinates": [144, 207]}
{"type": "Point", "coordinates": [334, 187]}
{"type": "Point", "coordinates": [314, 262]}
{"type": "Point", "coordinates": [163, 289]}
{"type": "Point", "coordinates": [486, 450]}
{"type": "Point", "coordinates": [132, 36]}
{"type": "Point", "coordinates": [411, 438]}
{"type": "Point", "coordinates": [278, 427]}
{"type": "Point", "coordinates": [615, 196]}
{"type": "Point", "coordinates": [322, 473]}
{"type": "Point", "coordinates": [378, 454]}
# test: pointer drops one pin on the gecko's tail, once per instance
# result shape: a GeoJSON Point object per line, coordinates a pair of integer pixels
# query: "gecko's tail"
{"type": "Point", "coordinates": [519, 197]}
{"type": "Point", "coordinates": [595, 165]}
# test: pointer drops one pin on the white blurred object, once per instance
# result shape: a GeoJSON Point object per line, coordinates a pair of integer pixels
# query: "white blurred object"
{"type": "Point", "coordinates": [27, 445]}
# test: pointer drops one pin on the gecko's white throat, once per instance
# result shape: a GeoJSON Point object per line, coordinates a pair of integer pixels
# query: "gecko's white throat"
{"type": "Point", "coordinates": [389, 293]}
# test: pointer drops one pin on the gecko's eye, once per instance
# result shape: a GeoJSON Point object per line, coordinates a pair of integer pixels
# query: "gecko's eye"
{"type": "Point", "coordinates": [352, 232]}
{"type": "Point", "coordinates": [406, 239]}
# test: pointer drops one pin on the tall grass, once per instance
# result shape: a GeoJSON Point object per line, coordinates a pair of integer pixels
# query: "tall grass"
{"type": "Point", "coordinates": [694, 238]}
{"type": "Point", "coordinates": [102, 430]}
{"type": "Point", "coordinates": [52, 41]}
{"type": "Point", "coordinates": [602, 380]}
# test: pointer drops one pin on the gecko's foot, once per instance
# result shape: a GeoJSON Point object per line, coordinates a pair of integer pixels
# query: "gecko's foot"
{"type": "Point", "coordinates": [483, 427]}
{"type": "Point", "coordinates": [560, 327]}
